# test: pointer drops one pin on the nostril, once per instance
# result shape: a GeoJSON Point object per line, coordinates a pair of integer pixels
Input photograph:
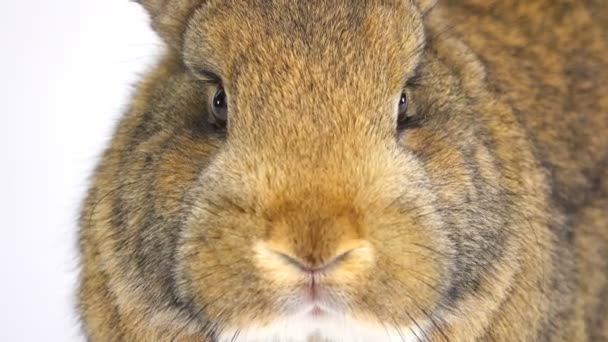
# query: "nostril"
{"type": "Point", "coordinates": [293, 261]}
{"type": "Point", "coordinates": [284, 263]}
{"type": "Point", "coordinates": [311, 268]}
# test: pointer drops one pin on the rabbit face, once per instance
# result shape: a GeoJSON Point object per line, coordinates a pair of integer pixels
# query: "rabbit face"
{"type": "Point", "coordinates": [316, 203]}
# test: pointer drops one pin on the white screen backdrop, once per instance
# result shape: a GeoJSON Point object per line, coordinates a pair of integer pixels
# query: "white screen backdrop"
{"type": "Point", "coordinates": [66, 69]}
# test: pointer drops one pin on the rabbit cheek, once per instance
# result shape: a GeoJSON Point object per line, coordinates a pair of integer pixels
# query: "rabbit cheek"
{"type": "Point", "coordinates": [214, 272]}
{"type": "Point", "coordinates": [414, 264]}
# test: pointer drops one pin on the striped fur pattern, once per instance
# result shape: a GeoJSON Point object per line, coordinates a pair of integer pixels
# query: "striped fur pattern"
{"type": "Point", "coordinates": [312, 216]}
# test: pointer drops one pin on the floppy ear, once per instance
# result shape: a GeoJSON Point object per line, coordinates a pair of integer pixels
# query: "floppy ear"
{"type": "Point", "coordinates": [169, 18]}
{"type": "Point", "coordinates": [425, 5]}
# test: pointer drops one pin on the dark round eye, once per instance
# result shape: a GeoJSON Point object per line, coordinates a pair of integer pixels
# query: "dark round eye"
{"type": "Point", "coordinates": [402, 116]}
{"type": "Point", "coordinates": [403, 104]}
{"type": "Point", "coordinates": [219, 107]}
{"type": "Point", "coordinates": [405, 118]}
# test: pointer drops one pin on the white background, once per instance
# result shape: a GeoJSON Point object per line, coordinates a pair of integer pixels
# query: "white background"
{"type": "Point", "coordinates": [66, 67]}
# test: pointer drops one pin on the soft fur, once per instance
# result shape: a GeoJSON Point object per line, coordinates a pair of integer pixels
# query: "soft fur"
{"type": "Point", "coordinates": [486, 220]}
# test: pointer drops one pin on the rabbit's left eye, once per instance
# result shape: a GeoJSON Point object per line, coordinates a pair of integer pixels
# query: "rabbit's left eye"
{"type": "Point", "coordinates": [405, 118]}
{"type": "Point", "coordinates": [219, 107]}
{"type": "Point", "coordinates": [402, 116]}
{"type": "Point", "coordinates": [403, 104]}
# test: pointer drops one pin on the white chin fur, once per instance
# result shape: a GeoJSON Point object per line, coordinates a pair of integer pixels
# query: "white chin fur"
{"type": "Point", "coordinates": [329, 328]}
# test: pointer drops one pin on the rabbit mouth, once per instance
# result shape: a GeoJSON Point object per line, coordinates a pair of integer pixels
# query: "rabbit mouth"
{"type": "Point", "coordinates": [323, 326]}
{"type": "Point", "coordinates": [316, 311]}
{"type": "Point", "coordinates": [324, 317]}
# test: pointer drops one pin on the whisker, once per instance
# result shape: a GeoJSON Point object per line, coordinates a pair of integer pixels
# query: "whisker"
{"type": "Point", "coordinates": [94, 208]}
{"type": "Point", "coordinates": [187, 323]}
{"type": "Point", "coordinates": [236, 334]}
{"type": "Point", "coordinates": [430, 317]}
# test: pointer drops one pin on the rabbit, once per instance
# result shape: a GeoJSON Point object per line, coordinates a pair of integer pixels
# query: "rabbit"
{"type": "Point", "coordinates": [397, 170]}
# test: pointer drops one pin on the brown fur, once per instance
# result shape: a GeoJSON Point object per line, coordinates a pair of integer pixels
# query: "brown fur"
{"type": "Point", "coordinates": [489, 218]}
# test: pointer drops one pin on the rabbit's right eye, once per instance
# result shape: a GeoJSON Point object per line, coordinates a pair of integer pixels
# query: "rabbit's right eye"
{"type": "Point", "coordinates": [219, 107]}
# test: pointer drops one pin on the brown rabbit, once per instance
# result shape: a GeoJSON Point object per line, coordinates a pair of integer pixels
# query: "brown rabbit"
{"type": "Point", "coordinates": [347, 170]}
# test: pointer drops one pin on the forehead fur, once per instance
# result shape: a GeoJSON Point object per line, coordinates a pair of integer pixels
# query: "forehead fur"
{"type": "Point", "coordinates": [342, 38]}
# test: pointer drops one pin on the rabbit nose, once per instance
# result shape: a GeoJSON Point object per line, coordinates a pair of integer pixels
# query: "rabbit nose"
{"type": "Point", "coordinates": [310, 265]}
{"type": "Point", "coordinates": [282, 264]}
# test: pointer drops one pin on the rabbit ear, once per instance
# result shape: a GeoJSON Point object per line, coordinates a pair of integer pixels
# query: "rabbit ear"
{"type": "Point", "coordinates": [169, 18]}
{"type": "Point", "coordinates": [425, 5]}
